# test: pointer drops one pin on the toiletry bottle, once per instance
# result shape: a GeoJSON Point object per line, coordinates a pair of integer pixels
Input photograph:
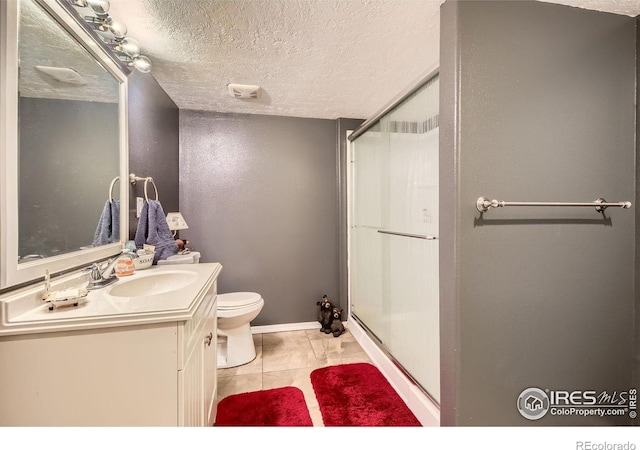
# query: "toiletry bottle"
{"type": "Point", "coordinates": [131, 246]}
{"type": "Point", "coordinates": [125, 265]}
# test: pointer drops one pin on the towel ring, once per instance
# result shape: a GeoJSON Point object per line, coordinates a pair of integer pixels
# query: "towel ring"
{"type": "Point", "coordinates": [113, 182]}
{"type": "Point", "coordinates": [146, 182]}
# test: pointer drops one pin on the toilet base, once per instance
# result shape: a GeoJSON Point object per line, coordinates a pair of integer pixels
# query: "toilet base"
{"type": "Point", "coordinates": [235, 347]}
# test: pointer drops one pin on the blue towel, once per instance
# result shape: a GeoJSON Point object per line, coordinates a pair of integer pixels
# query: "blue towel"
{"type": "Point", "coordinates": [108, 229]}
{"type": "Point", "coordinates": [153, 229]}
{"type": "Point", "coordinates": [115, 221]}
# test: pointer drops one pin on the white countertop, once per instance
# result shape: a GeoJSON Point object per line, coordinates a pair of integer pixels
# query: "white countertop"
{"type": "Point", "coordinates": [24, 312]}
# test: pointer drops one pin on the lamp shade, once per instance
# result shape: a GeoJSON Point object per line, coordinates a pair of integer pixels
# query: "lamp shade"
{"type": "Point", "coordinates": [176, 221]}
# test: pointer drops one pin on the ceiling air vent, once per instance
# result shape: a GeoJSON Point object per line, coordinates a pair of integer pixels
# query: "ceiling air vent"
{"type": "Point", "coordinates": [63, 74]}
{"type": "Point", "coordinates": [246, 91]}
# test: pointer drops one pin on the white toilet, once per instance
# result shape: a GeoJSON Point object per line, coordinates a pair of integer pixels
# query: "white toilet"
{"type": "Point", "coordinates": [235, 343]}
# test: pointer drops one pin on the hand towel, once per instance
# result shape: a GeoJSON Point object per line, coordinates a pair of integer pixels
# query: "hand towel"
{"type": "Point", "coordinates": [108, 229]}
{"type": "Point", "coordinates": [153, 229]}
{"type": "Point", "coordinates": [115, 221]}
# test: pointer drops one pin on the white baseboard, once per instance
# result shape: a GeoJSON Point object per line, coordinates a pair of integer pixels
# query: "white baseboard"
{"type": "Point", "coordinates": [285, 327]}
{"type": "Point", "coordinates": [425, 410]}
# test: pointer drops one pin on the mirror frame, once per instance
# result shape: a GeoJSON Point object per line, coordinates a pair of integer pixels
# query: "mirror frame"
{"type": "Point", "coordinates": [13, 274]}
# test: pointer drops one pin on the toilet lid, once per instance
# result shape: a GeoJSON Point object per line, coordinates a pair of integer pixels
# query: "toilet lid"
{"type": "Point", "coordinates": [238, 300]}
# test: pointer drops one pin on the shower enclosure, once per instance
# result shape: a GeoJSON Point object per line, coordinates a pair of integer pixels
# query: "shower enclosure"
{"type": "Point", "coordinates": [393, 241]}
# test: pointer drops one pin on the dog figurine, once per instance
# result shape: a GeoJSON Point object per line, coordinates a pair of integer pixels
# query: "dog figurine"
{"type": "Point", "coordinates": [325, 316]}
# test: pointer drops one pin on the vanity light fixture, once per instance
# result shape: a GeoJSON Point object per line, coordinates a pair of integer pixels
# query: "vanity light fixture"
{"type": "Point", "coordinates": [114, 34]}
{"type": "Point", "coordinates": [99, 7]}
{"type": "Point", "coordinates": [129, 46]}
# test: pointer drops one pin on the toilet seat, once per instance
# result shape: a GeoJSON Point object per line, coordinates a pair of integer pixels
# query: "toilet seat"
{"type": "Point", "coordinates": [237, 300]}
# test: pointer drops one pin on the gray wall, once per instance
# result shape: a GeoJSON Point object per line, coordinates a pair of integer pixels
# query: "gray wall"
{"type": "Point", "coordinates": [260, 196]}
{"type": "Point", "coordinates": [537, 103]}
{"type": "Point", "coordinates": [636, 362]}
{"type": "Point", "coordinates": [68, 158]}
{"type": "Point", "coordinates": [153, 143]}
{"type": "Point", "coordinates": [153, 151]}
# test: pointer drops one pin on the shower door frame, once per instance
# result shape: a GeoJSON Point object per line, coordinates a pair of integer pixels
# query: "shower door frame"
{"type": "Point", "coordinates": [351, 136]}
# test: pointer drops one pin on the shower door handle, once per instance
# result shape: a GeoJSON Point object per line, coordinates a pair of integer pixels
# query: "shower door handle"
{"type": "Point", "coordinates": [409, 235]}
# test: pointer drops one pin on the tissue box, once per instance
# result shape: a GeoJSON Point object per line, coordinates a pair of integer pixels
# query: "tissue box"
{"type": "Point", "coordinates": [143, 261]}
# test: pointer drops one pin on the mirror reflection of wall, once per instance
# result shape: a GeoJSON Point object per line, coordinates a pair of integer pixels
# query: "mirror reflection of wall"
{"type": "Point", "coordinates": [68, 138]}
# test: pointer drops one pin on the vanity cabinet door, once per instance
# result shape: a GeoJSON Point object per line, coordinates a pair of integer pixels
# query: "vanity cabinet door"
{"type": "Point", "coordinates": [113, 377]}
{"type": "Point", "coordinates": [197, 376]}
{"type": "Point", "coordinates": [210, 366]}
{"type": "Point", "coordinates": [190, 385]}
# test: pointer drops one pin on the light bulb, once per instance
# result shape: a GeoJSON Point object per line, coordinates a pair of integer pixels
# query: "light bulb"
{"type": "Point", "coordinates": [118, 29]}
{"type": "Point", "coordinates": [100, 7]}
{"type": "Point", "coordinates": [130, 47]}
{"type": "Point", "coordinates": [142, 63]}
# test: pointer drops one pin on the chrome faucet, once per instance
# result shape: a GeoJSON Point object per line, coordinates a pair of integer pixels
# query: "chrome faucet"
{"type": "Point", "coordinates": [102, 275]}
{"type": "Point", "coordinates": [108, 271]}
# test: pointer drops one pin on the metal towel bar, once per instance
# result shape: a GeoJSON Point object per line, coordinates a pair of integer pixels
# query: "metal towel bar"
{"type": "Point", "coordinates": [409, 235]}
{"type": "Point", "coordinates": [484, 204]}
{"type": "Point", "coordinates": [133, 179]}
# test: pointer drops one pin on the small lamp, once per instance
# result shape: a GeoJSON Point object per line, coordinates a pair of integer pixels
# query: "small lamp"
{"type": "Point", "coordinates": [176, 222]}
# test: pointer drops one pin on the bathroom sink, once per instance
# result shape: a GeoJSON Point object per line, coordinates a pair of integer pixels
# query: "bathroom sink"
{"type": "Point", "coordinates": [152, 284]}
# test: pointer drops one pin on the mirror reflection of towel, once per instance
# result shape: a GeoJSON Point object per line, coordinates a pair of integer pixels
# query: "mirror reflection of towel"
{"type": "Point", "coordinates": [108, 229]}
{"type": "Point", "coordinates": [153, 229]}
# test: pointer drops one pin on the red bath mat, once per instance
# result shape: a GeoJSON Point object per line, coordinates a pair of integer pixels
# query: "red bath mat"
{"type": "Point", "coordinates": [280, 407]}
{"type": "Point", "coordinates": [358, 395]}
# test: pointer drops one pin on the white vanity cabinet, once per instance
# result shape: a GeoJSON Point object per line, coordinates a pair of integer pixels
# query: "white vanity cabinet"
{"type": "Point", "coordinates": [137, 370]}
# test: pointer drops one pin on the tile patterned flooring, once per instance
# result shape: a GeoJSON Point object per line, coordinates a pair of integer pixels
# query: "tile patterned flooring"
{"type": "Point", "coordinates": [287, 359]}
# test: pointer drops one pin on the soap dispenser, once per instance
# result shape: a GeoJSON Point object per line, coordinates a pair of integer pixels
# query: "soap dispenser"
{"type": "Point", "coordinates": [125, 265]}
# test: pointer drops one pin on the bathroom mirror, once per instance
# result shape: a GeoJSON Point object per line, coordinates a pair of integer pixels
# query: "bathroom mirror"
{"type": "Point", "coordinates": [64, 144]}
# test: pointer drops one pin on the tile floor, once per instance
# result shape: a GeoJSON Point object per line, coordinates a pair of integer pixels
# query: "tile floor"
{"type": "Point", "coordinates": [287, 359]}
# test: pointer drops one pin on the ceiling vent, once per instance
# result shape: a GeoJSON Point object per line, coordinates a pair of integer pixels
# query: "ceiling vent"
{"type": "Point", "coordinates": [246, 91]}
{"type": "Point", "coordinates": [63, 74]}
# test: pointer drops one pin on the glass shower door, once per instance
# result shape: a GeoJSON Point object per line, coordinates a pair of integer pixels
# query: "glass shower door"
{"type": "Point", "coordinates": [370, 182]}
{"type": "Point", "coordinates": [394, 246]}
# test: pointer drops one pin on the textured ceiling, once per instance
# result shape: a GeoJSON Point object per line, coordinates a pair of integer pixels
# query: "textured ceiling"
{"type": "Point", "coordinates": [323, 59]}
{"type": "Point", "coordinates": [42, 42]}
{"type": "Point", "coordinates": [312, 58]}
{"type": "Point", "coordinates": [624, 7]}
